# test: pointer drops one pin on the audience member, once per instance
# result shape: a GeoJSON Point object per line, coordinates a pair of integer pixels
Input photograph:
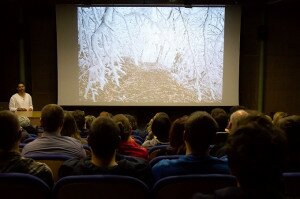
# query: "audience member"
{"type": "Point", "coordinates": [256, 155]}
{"type": "Point", "coordinates": [200, 129]}
{"type": "Point", "coordinates": [219, 149]}
{"type": "Point", "coordinates": [134, 125]}
{"type": "Point", "coordinates": [277, 116]}
{"type": "Point", "coordinates": [176, 136]}
{"type": "Point", "coordinates": [88, 121]}
{"type": "Point", "coordinates": [160, 127]}
{"type": "Point", "coordinates": [79, 117]}
{"type": "Point", "coordinates": [127, 145]}
{"type": "Point", "coordinates": [26, 125]}
{"type": "Point", "coordinates": [70, 128]}
{"type": "Point", "coordinates": [291, 127]}
{"type": "Point", "coordinates": [51, 142]}
{"type": "Point", "coordinates": [20, 101]}
{"type": "Point", "coordinates": [10, 159]}
{"type": "Point", "coordinates": [104, 140]}
{"type": "Point", "coordinates": [105, 114]}
{"type": "Point", "coordinates": [221, 118]}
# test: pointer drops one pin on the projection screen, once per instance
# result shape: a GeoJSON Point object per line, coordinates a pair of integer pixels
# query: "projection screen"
{"type": "Point", "coordinates": [148, 56]}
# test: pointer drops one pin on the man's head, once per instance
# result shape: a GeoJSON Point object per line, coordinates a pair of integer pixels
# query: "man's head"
{"type": "Point", "coordinates": [52, 117]}
{"type": "Point", "coordinates": [221, 118]}
{"type": "Point", "coordinates": [79, 117]}
{"type": "Point", "coordinates": [160, 126]}
{"type": "Point", "coordinates": [10, 132]}
{"type": "Point", "coordinates": [104, 137]}
{"type": "Point", "coordinates": [124, 125]}
{"type": "Point", "coordinates": [256, 152]}
{"type": "Point", "coordinates": [235, 117]}
{"type": "Point", "coordinates": [21, 87]}
{"type": "Point", "coordinates": [200, 131]}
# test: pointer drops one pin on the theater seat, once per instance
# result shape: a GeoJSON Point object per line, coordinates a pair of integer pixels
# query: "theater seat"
{"type": "Point", "coordinates": [100, 186]}
{"type": "Point", "coordinates": [186, 186]}
{"type": "Point", "coordinates": [291, 185]}
{"type": "Point", "coordinates": [23, 186]}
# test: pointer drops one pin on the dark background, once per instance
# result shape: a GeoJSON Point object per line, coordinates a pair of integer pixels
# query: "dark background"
{"type": "Point", "coordinates": [269, 55]}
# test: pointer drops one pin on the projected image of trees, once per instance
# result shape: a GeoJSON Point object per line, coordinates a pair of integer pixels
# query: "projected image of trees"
{"type": "Point", "coordinates": [156, 55]}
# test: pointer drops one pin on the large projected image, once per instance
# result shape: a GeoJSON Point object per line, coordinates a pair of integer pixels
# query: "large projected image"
{"type": "Point", "coordinates": [163, 55]}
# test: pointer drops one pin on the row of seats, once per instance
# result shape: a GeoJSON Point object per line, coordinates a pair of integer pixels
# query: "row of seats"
{"type": "Point", "coordinates": [17, 185]}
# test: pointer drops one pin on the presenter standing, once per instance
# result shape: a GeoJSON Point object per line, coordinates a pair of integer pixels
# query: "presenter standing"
{"type": "Point", "coordinates": [20, 101]}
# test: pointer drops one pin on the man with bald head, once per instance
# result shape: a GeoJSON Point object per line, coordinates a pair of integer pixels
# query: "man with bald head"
{"type": "Point", "coordinates": [235, 118]}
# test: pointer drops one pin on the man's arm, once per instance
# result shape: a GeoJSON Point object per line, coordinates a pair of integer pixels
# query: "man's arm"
{"type": "Point", "coordinates": [30, 104]}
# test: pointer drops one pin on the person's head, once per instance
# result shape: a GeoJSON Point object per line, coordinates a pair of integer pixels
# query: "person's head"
{"type": "Point", "coordinates": [177, 131]}
{"type": "Point", "coordinates": [10, 130]}
{"type": "Point", "coordinates": [21, 87]}
{"type": "Point", "coordinates": [256, 152]}
{"type": "Point", "coordinates": [88, 121]}
{"type": "Point", "coordinates": [105, 114]}
{"type": "Point", "coordinates": [79, 117]}
{"type": "Point", "coordinates": [69, 127]}
{"type": "Point", "coordinates": [133, 121]}
{"type": "Point", "coordinates": [160, 126]}
{"type": "Point", "coordinates": [52, 118]}
{"type": "Point", "coordinates": [221, 118]}
{"type": "Point", "coordinates": [291, 127]}
{"type": "Point", "coordinates": [24, 121]}
{"type": "Point", "coordinates": [235, 117]}
{"type": "Point", "coordinates": [277, 116]}
{"type": "Point", "coordinates": [200, 131]}
{"type": "Point", "coordinates": [104, 138]}
{"type": "Point", "coordinates": [236, 108]}
{"type": "Point", "coordinates": [124, 126]}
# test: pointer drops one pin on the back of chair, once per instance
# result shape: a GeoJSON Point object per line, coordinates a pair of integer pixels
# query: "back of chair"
{"type": "Point", "coordinates": [100, 186]}
{"type": "Point", "coordinates": [291, 184]}
{"type": "Point", "coordinates": [19, 185]}
{"type": "Point", "coordinates": [54, 161]}
{"type": "Point", "coordinates": [186, 186]}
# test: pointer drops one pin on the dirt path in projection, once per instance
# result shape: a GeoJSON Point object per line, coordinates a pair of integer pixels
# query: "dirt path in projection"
{"type": "Point", "coordinates": [139, 85]}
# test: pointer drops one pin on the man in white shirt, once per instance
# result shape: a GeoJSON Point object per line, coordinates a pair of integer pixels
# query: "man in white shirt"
{"type": "Point", "coordinates": [20, 101]}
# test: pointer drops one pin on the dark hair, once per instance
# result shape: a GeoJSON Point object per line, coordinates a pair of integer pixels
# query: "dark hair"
{"type": "Point", "coordinates": [69, 127]}
{"type": "Point", "coordinates": [52, 117]}
{"type": "Point", "coordinates": [9, 130]}
{"type": "Point", "coordinates": [200, 131]}
{"type": "Point", "coordinates": [104, 137]}
{"type": "Point", "coordinates": [221, 118]}
{"type": "Point", "coordinates": [79, 117]}
{"type": "Point", "coordinates": [132, 120]}
{"type": "Point", "coordinates": [256, 152]}
{"type": "Point", "coordinates": [176, 134]}
{"type": "Point", "coordinates": [123, 124]}
{"type": "Point", "coordinates": [88, 121]}
{"type": "Point", "coordinates": [160, 126]}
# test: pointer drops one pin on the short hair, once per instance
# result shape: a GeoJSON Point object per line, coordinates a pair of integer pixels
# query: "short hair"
{"type": "Point", "coordinates": [291, 127]}
{"type": "Point", "coordinates": [79, 117]}
{"type": "Point", "coordinates": [177, 131]}
{"type": "Point", "coordinates": [161, 125]}
{"type": "Point", "coordinates": [52, 117]}
{"type": "Point", "coordinates": [104, 137]}
{"type": "Point", "coordinates": [221, 118]}
{"type": "Point", "coordinates": [69, 127]}
{"type": "Point", "coordinates": [24, 121]}
{"type": "Point", "coordinates": [256, 152]}
{"type": "Point", "coordinates": [277, 116]}
{"type": "Point", "coordinates": [133, 121]}
{"type": "Point", "coordinates": [123, 124]}
{"type": "Point", "coordinates": [88, 121]}
{"type": "Point", "coordinates": [9, 130]}
{"type": "Point", "coordinates": [200, 131]}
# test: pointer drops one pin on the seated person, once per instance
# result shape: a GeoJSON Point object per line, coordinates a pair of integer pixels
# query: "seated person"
{"type": "Point", "coordinates": [104, 139]}
{"type": "Point", "coordinates": [79, 117]}
{"type": "Point", "coordinates": [291, 127]}
{"type": "Point", "coordinates": [177, 146]}
{"type": "Point", "coordinates": [127, 145]}
{"type": "Point", "coordinates": [10, 159]}
{"type": "Point", "coordinates": [160, 126]}
{"type": "Point", "coordinates": [256, 156]}
{"type": "Point", "coordinates": [200, 129]}
{"type": "Point", "coordinates": [51, 142]}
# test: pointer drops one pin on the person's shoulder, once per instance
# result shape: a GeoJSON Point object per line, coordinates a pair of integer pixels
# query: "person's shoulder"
{"type": "Point", "coordinates": [133, 163]}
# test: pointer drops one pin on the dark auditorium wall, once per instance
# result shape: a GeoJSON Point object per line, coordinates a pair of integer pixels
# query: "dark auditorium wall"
{"type": "Point", "coordinates": [274, 25]}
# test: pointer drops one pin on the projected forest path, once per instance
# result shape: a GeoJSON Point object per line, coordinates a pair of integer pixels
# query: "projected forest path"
{"type": "Point", "coordinates": [151, 85]}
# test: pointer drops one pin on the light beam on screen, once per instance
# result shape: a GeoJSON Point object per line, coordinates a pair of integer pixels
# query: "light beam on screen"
{"type": "Point", "coordinates": [151, 55]}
